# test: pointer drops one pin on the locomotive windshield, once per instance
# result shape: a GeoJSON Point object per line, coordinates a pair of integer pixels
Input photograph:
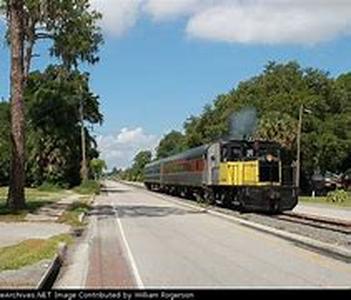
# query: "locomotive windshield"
{"type": "Point", "coordinates": [242, 150]}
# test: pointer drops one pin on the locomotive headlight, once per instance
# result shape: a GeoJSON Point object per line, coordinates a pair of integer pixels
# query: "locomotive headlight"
{"type": "Point", "coordinates": [269, 157]}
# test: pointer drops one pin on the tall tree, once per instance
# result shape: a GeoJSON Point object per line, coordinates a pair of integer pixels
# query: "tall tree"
{"type": "Point", "coordinates": [4, 142]}
{"type": "Point", "coordinates": [54, 124]}
{"type": "Point", "coordinates": [97, 167]}
{"type": "Point", "coordinates": [171, 143]}
{"type": "Point", "coordinates": [140, 160]}
{"type": "Point", "coordinates": [71, 25]}
{"type": "Point", "coordinates": [15, 14]}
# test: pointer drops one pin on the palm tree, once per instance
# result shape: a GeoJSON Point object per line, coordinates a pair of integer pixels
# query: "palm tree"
{"type": "Point", "coordinates": [277, 127]}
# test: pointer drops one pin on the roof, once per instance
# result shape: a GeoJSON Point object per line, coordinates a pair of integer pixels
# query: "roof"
{"type": "Point", "coordinates": [188, 154]}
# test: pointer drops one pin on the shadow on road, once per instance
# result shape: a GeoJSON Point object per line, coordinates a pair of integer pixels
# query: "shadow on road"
{"type": "Point", "coordinates": [110, 190]}
{"type": "Point", "coordinates": [135, 211]}
{"type": "Point", "coordinates": [102, 211]}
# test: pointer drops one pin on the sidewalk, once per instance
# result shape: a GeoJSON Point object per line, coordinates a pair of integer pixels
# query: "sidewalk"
{"type": "Point", "coordinates": [52, 212]}
{"type": "Point", "coordinates": [39, 225]}
{"type": "Point", "coordinates": [14, 233]}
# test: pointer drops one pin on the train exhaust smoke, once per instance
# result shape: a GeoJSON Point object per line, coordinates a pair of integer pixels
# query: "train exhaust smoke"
{"type": "Point", "coordinates": [243, 123]}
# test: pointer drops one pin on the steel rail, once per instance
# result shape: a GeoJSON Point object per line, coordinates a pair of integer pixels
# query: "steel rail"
{"type": "Point", "coordinates": [316, 221]}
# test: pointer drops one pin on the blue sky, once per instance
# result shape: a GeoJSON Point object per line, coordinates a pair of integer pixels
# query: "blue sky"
{"type": "Point", "coordinates": [160, 64]}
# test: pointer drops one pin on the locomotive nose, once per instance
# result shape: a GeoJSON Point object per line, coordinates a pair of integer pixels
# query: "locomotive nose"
{"type": "Point", "coordinates": [273, 194]}
{"type": "Point", "coordinates": [274, 201]}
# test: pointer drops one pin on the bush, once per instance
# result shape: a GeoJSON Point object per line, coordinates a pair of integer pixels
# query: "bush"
{"type": "Point", "coordinates": [79, 207]}
{"type": "Point", "coordinates": [50, 187]}
{"type": "Point", "coordinates": [72, 215]}
{"type": "Point", "coordinates": [338, 196]}
{"type": "Point", "coordinates": [88, 187]}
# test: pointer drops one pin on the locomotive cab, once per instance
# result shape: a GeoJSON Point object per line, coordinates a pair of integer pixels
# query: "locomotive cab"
{"type": "Point", "coordinates": [250, 163]}
{"type": "Point", "coordinates": [253, 175]}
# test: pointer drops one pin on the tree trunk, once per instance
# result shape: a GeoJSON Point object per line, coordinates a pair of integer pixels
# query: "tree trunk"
{"type": "Point", "coordinates": [84, 169]}
{"type": "Point", "coordinates": [29, 49]}
{"type": "Point", "coordinates": [16, 195]}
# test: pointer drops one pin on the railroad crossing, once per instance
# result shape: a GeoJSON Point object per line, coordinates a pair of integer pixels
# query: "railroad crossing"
{"type": "Point", "coordinates": [140, 239]}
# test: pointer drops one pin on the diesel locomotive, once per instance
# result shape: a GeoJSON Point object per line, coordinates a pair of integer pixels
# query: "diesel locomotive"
{"type": "Point", "coordinates": [240, 174]}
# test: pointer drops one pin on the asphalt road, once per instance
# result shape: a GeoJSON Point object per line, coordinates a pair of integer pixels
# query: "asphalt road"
{"type": "Point", "coordinates": [139, 239]}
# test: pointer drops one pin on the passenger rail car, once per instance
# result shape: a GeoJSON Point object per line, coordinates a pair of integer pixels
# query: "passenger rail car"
{"type": "Point", "coordinates": [247, 175]}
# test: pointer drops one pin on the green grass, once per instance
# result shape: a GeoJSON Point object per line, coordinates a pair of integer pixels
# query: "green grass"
{"type": "Point", "coordinates": [88, 187]}
{"type": "Point", "coordinates": [323, 200]}
{"type": "Point", "coordinates": [30, 252]}
{"type": "Point", "coordinates": [49, 187]}
{"type": "Point", "coordinates": [35, 199]}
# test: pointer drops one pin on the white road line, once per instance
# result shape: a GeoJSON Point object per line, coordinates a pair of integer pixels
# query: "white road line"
{"type": "Point", "coordinates": [136, 274]}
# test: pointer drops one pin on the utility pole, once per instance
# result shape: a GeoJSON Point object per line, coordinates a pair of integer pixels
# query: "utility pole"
{"type": "Point", "coordinates": [84, 170]}
{"type": "Point", "coordinates": [298, 160]}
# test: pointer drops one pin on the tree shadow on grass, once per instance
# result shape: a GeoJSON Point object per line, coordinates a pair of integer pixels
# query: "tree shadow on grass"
{"type": "Point", "coordinates": [31, 207]}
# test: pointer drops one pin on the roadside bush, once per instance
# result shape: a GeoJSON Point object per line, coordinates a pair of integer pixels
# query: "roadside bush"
{"type": "Point", "coordinates": [338, 196]}
{"type": "Point", "coordinates": [79, 207]}
{"type": "Point", "coordinates": [50, 187]}
{"type": "Point", "coordinates": [88, 187]}
{"type": "Point", "coordinates": [72, 215]}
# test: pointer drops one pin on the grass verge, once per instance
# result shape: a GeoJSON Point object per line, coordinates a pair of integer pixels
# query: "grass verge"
{"type": "Point", "coordinates": [88, 187]}
{"type": "Point", "coordinates": [50, 187]}
{"type": "Point", "coordinates": [323, 200]}
{"type": "Point", "coordinates": [35, 198]}
{"type": "Point", "coordinates": [30, 252]}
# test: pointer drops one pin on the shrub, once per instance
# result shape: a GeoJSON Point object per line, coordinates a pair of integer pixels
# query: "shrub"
{"type": "Point", "coordinates": [88, 187]}
{"type": "Point", "coordinates": [50, 187]}
{"type": "Point", "coordinates": [338, 196]}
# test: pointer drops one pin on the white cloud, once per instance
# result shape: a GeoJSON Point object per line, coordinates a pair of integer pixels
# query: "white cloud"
{"type": "Point", "coordinates": [238, 21]}
{"type": "Point", "coordinates": [118, 15]}
{"type": "Point", "coordinates": [163, 10]}
{"type": "Point", "coordinates": [118, 150]}
{"type": "Point", "coordinates": [272, 22]}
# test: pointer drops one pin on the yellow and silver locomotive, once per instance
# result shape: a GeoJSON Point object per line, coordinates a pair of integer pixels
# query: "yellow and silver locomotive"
{"type": "Point", "coordinates": [246, 175]}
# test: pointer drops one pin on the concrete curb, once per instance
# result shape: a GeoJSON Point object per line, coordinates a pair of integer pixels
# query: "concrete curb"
{"type": "Point", "coordinates": [49, 277]}
{"type": "Point", "coordinates": [336, 252]}
{"type": "Point", "coordinates": [92, 200]}
{"type": "Point", "coordinates": [81, 217]}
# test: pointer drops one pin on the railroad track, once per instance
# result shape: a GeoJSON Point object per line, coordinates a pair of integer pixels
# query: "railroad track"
{"type": "Point", "coordinates": [316, 221]}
